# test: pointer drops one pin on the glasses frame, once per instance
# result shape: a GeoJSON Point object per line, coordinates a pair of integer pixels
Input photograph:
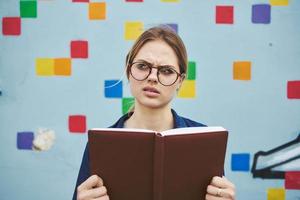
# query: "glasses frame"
{"type": "Point", "coordinates": [157, 73]}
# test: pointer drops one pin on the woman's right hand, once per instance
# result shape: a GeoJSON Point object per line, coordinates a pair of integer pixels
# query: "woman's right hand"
{"type": "Point", "coordinates": [92, 188]}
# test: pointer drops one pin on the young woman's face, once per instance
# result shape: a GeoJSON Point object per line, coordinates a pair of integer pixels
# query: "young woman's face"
{"type": "Point", "coordinates": [150, 92]}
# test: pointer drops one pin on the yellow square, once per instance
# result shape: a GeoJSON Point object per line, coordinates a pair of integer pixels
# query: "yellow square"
{"type": "Point", "coordinates": [62, 66]}
{"type": "Point", "coordinates": [170, 1]}
{"type": "Point", "coordinates": [187, 89]}
{"type": "Point", "coordinates": [242, 70]}
{"type": "Point", "coordinates": [97, 10]}
{"type": "Point", "coordinates": [44, 66]}
{"type": "Point", "coordinates": [133, 30]}
{"type": "Point", "coordinates": [279, 2]}
{"type": "Point", "coordinates": [276, 194]}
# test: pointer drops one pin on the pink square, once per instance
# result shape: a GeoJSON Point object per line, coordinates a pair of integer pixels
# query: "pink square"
{"type": "Point", "coordinates": [77, 123]}
{"type": "Point", "coordinates": [11, 25]}
{"type": "Point", "coordinates": [224, 14]}
{"type": "Point", "coordinates": [79, 49]}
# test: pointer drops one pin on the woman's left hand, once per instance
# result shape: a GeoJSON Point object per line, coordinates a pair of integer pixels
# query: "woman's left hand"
{"type": "Point", "coordinates": [220, 189]}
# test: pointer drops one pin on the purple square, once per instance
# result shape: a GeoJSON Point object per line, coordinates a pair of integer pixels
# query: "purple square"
{"type": "Point", "coordinates": [174, 27]}
{"type": "Point", "coordinates": [261, 14]}
{"type": "Point", "coordinates": [24, 140]}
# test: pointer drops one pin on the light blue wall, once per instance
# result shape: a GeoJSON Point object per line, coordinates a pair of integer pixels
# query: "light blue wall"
{"type": "Point", "coordinates": [257, 113]}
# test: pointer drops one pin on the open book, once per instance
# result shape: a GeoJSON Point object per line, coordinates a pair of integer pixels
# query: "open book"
{"type": "Point", "coordinates": [138, 164]}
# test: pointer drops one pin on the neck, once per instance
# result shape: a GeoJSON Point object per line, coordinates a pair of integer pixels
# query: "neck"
{"type": "Point", "coordinates": [157, 119]}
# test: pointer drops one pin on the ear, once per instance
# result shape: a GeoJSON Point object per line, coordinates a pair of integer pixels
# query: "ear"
{"type": "Point", "coordinates": [181, 79]}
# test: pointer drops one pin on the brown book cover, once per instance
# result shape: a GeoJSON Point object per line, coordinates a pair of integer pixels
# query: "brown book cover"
{"type": "Point", "coordinates": [138, 164]}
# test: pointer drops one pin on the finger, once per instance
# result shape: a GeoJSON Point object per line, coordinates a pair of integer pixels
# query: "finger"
{"type": "Point", "coordinates": [230, 184]}
{"type": "Point", "coordinates": [106, 197]}
{"type": "Point", "coordinates": [212, 190]}
{"type": "Point", "coordinates": [92, 193]}
{"type": "Point", "coordinates": [221, 182]}
{"type": "Point", "coordinates": [92, 181]}
{"type": "Point", "coordinates": [212, 197]}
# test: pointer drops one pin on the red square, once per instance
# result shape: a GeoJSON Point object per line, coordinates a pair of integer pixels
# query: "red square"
{"type": "Point", "coordinates": [11, 25]}
{"type": "Point", "coordinates": [77, 123]}
{"type": "Point", "coordinates": [79, 49]}
{"type": "Point", "coordinates": [293, 89]}
{"type": "Point", "coordinates": [224, 14]}
{"type": "Point", "coordinates": [292, 180]}
{"type": "Point", "coordinates": [134, 0]}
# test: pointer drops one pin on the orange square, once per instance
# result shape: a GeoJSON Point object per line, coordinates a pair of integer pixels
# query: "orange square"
{"type": "Point", "coordinates": [62, 66]}
{"type": "Point", "coordinates": [97, 10]}
{"type": "Point", "coordinates": [242, 70]}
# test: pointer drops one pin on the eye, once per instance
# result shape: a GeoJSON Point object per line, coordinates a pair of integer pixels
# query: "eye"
{"type": "Point", "coordinates": [167, 70]}
{"type": "Point", "coordinates": [141, 66]}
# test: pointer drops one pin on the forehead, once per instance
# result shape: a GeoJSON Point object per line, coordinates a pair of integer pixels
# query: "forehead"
{"type": "Point", "coordinates": [157, 52]}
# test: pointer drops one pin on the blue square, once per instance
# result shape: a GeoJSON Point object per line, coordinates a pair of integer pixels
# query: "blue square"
{"type": "Point", "coordinates": [113, 89]}
{"type": "Point", "coordinates": [24, 140]}
{"type": "Point", "coordinates": [261, 14]}
{"type": "Point", "coordinates": [240, 162]}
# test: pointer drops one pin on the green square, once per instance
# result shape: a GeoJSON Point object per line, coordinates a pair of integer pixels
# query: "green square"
{"type": "Point", "coordinates": [191, 72]}
{"type": "Point", "coordinates": [28, 9]}
{"type": "Point", "coordinates": [127, 104]}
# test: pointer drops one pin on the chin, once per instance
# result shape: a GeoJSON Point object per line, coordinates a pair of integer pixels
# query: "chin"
{"type": "Point", "coordinates": [152, 103]}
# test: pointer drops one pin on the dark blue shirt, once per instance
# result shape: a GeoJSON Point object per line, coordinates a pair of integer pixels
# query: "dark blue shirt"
{"type": "Point", "coordinates": [84, 172]}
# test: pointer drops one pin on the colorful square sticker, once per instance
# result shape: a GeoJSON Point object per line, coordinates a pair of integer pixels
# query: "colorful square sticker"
{"type": "Point", "coordinates": [79, 49]}
{"type": "Point", "coordinates": [261, 14]}
{"type": "Point", "coordinates": [44, 66]}
{"type": "Point", "coordinates": [170, 1]}
{"type": "Point", "coordinates": [242, 70]}
{"type": "Point", "coordinates": [187, 89]}
{"type": "Point", "coordinates": [11, 26]}
{"type": "Point", "coordinates": [240, 162]}
{"type": "Point", "coordinates": [279, 2]}
{"type": "Point", "coordinates": [276, 194]}
{"type": "Point", "coordinates": [133, 30]}
{"type": "Point", "coordinates": [224, 14]}
{"type": "Point", "coordinates": [134, 0]}
{"type": "Point", "coordinates": [292, 180]}
{"type": "Point", "coordinates": [81, 1]}
{"type": "Point", "coordinates": [25, 140]}
{"type": "Point", "coordinates": [191, 71]}
{"type": "Point", "coordinates": [97, 10]}
{"type": "Point", "coordinates": [77, 123]}
{"type": "Point", "coordinates": [293, 89]}
{"type": "Point", "coordinates": [113, 89]}
{"type": "Point", "coordinates": [174, 27]}
{"type": "Point", "coordinates": [127, 104]}
{"type": "Point", "coordinates": [28, 9]}
{"type": "Point", "coordinates": [62, 66]}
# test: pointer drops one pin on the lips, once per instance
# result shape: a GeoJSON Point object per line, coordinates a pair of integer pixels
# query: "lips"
{"type": "Point", "coordinates": [151, 89]}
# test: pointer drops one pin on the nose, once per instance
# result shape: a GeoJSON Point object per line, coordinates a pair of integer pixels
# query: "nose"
{"type": "Point", "coordinates": [153, 75]}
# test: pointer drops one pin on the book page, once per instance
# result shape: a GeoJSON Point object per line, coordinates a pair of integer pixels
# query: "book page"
{"type": "Point", "coordinates": [192, 130]}
{"type": "Point", "coordinates": [134, 130]}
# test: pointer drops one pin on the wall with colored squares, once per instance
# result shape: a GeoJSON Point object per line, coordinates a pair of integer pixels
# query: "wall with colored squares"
{"type": "Point", "coordinates": [62, 73]}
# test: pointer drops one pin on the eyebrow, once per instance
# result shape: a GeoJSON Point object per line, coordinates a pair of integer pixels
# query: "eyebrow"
{"type": "Point", "coordinates": [145, 61]}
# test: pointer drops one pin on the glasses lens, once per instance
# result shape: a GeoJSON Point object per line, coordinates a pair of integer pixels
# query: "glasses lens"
{"type": "Point", "coordinates": [140, 71]}
{"type": "Point", "coordinates": [167, 75]}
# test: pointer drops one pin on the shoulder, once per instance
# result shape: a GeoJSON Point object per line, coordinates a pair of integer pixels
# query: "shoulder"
{"type": "Point", "coordinates": [192, 123]}
{"type": "Point", "coordinates": [120, 122]}
{"type": "Point", "coordinates": [180, 122]}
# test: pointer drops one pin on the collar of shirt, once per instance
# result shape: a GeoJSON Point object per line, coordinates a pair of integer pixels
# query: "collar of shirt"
{"type": "Point", "coordinates": [179, 122]}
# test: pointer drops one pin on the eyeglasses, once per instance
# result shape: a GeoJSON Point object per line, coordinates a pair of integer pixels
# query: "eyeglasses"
{"type": "Point", "coordinates": [166, 74]}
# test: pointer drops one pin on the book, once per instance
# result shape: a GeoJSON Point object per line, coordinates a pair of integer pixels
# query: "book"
{"type": "Point", "coordinates": [138, 164]}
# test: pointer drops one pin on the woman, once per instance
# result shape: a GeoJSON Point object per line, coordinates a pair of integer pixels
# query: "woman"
{"type": "Point", "coordinates": [155, 67]}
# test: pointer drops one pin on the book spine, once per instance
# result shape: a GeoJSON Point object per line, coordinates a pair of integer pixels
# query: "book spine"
{"type": "Point", "coordinates": [158, 168]}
